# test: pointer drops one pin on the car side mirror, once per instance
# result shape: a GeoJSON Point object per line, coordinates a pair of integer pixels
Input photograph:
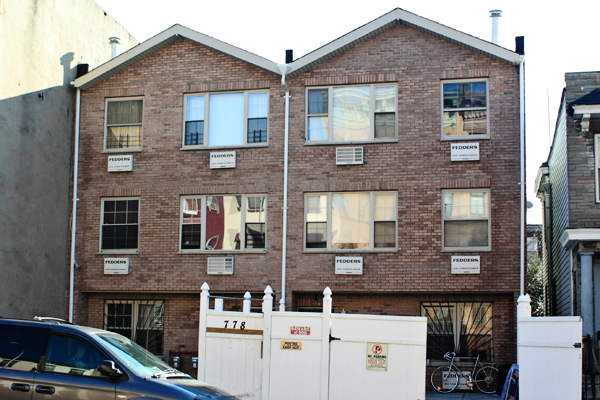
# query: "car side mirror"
{"type": "Point", "coordinates": [108, 368]}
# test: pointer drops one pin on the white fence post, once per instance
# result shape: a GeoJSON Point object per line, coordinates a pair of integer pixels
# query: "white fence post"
{"type": "Point", "coordinates": [267, 308]}
{"type": "Point", "coordinates": [218, 304]}
{"type": "Point", "coordinates": [326, 330]}
{"type": "Point", "coordinates": [202, 332]}
{"type": "Point", "coordinates": [247, 302]}
{"type": "Point", "coordinates": [523, 311]}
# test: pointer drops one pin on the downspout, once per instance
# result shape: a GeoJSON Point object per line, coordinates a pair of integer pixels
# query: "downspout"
{"type": "Point", "coordinates": [75, 200]}
{"type": "Point", "coordinates": [284, 68]}
{"type": "Point", "coordinates": [522, 139]}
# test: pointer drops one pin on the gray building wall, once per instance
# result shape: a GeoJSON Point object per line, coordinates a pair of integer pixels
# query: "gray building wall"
{"type": "Point", "coordinates": [42, 43]}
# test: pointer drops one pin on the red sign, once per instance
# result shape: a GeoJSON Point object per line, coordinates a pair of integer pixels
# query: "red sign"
{"type": "Point", "coordinates": [300, 330]}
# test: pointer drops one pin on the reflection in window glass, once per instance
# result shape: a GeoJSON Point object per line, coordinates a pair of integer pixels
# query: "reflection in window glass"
{"type": "Point", "coordinates": [465, 108]}
{"type": "Point", "coordinates": [351, 106]}
{"type": "Point", "coordinates": [350, 220]}
{"type": "Point", "coordinates": [226, 123]}
{"type": "Point", "coordinates": [466, 219]}
{"type": "Point", "coordinates": [223, 223]}
{"type": "Point", "coordinates": [68, 355]}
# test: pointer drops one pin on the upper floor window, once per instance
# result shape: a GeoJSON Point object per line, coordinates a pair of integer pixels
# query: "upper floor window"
{"type": "Point", "coordinates": [124, 124]}
{"type": "Point", "coordinates": [465, 110]}
{"type": "Point", "coordinates": [466, 220]}
{"type": "Point", "coordinates": [597, 166]}
{"type": "Point", "coordinates": [351, 113]}
{"type": "Point", "coordinates": [225, 119]}
{"type": "Point", "coordinates": [350, 221]}
{"type": "Point", "coordinates": [228, 223]}
{"type": "Point", "coordinates": [120, 225]}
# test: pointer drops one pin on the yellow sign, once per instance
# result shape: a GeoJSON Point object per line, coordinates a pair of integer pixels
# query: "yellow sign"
{"type": "Point", "coordinates": [377, 356]}
{"type": "Point", "coordinates": [285, 345]}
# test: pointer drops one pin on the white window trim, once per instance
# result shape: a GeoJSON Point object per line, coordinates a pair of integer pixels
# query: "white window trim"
{"type": "Point", "coordinates": [119, 251]}
{"type": "Point", "coordinates": [207, 121]}
{"type": "Point", "coordinates": [203, 225]}
{"type": "Point", "coordinates": [372, 248]}
{"type": "Point", "coordinates": [330, 140]}
{"type": "Point", "coordinates": [487, 102]}
{"type": "Point", "coordinates": [489, 219]}
{"type": "Point", "coordinates": [128, 149]}
{"type": "Point", "coordinates": [596, 166]}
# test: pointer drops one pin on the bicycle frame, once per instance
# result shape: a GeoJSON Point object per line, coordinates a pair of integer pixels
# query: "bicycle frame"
{"type": "Point", "coordinates": [446, 379]}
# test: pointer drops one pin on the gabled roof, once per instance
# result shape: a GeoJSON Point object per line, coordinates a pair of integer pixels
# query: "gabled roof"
{"type": "Point", "coordinates": [396, 17]}
{"type": "Point", "coordinates": [307, 62]}
{"type": "Point", "coordinates": [591, 98]}
{"type": "Point", "coordinates": [159, 42]}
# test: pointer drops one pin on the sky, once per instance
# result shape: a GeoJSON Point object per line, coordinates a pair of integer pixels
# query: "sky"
{"type": "Point", "coordinates": [558, 39]}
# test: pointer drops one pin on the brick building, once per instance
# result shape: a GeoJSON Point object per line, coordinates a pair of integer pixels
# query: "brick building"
{"type": "Point", "coordinates": [399, 190]}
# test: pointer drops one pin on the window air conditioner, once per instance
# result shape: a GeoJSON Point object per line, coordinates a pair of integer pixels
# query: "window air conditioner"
{"type": "Point", "coordinates": [220, 265]}
{"type": "Point", "coordinates": [349, 156]}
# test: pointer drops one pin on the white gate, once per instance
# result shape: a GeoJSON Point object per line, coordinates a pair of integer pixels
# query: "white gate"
{"type": "Point", "coordinates": [290, 354]}
{"type": "Point", "coordinates": [549, 355]}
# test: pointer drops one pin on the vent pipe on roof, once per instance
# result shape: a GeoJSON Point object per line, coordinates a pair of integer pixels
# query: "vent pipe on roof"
{"type": "Point", "coordinates": [114, 41]}
{"type": "Point", "coordinates": [495, 15]}
{"type": "Point", "coordinates": [289, 56]}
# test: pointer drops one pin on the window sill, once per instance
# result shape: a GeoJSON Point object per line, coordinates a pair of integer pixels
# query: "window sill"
{"type": "Point", "coordinates": [241, 146]}
{"type": "Point", "coordinates": [221, 252]}
{"type": "Point", "coordinates": [359, 142]}
{"type": "Point", "coordinates": [127, 150]}
{"type": "Point", "coordinates": [350, 251]}
{"type": "Point", "coordinates": [118, 252]}
{"type": "Point", "coordinates": [462, 138]}
{"type": "Point", "coordinates": [467, 250]}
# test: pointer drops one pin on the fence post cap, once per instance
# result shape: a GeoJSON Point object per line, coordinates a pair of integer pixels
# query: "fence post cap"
{"type": "Point", "coordinates": [205, 286]}
{"type": "Point", "coordinates": [268, 290]}
{"type": "Point", "coordinates": [327, 291]}
{"type": "Point", "coordinates": [247, 295]}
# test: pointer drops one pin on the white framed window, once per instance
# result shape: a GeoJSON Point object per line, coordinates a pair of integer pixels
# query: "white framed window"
{"type": "Point", "coordinates": [465, 109]}
{"type": "Point", "coordinates": [466, 222]}
{"type": "Point", "coordinates": [230, 119]}
{"type": "Point", "coordinates": [351, 113]}
{"type": "Point", "coordinates": [597, 166]}
{"type": "Point", "coordinates": [139, 320]}
{"type": "Point", "coordinates": [119, 232]}
{"type": "Point", "coordinates": [123, 124]}
{"type": "Point", "coordinates": [223, 223]}
{"type": "Point", "coordinates": [360, 221]}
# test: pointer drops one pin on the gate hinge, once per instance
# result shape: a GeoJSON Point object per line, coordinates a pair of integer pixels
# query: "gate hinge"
{"type": "Point", "coordinates": [577, 345]}
{"type": "Point", "coordinates": [333, 338]}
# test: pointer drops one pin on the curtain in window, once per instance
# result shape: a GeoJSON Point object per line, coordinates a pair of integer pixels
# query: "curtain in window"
{"type": "Point", "coordinates": [351, 113]}
{"type": "Point", "coordinates": [195, 108]}
{"type": "Point", "coordinates": [226, 124]}
{"type": "Point", "coordinates": [350, 220]}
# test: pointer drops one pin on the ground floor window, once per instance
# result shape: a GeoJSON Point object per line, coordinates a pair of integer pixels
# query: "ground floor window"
{"type": "Point", "coordinates": [465, 328]}
{"type": "Point", "coordinates": [138, 320]}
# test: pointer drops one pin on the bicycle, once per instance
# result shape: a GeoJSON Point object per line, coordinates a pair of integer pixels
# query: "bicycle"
{"type": "Point", "coordinates": [445, 379]}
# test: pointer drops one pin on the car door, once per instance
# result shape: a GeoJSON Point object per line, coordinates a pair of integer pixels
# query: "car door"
{"type": "Point", "coordinates": [70, 371]}
{"type": "Point", "coordinates": [21, 347]}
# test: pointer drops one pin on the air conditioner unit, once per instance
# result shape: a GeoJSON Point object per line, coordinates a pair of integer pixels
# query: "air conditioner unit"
{"type": "Point", "coordinates": [349, 156]}
{"type": "Point", "coordinates": [220, 265]}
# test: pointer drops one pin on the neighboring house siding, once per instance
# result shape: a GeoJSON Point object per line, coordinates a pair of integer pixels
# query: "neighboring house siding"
{"type": "Point", "coordinates": [558, 166]}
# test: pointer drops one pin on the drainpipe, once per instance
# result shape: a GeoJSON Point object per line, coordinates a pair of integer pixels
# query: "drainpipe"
{"type": "Point", "coordinates": [284, 68]}
{"type": "Point", "coordinates": [75, 200]}
{"type": "Point", "coordinates": [522, 139]}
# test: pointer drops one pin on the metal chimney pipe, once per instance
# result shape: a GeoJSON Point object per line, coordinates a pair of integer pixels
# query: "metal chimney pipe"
{"type": "Point", "coordinates": [495, 14]}
{"type": "Point", "coordinates": [114, 41]}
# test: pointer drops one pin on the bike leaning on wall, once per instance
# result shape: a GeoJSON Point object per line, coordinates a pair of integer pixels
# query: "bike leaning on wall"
{"type": "Point", "coordinates": [445, 379]}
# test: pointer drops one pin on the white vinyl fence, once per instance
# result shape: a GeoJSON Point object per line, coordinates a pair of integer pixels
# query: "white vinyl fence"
{"type": "Point", "coordinates": [549, 355]}
{"type": "Point", "coordinates": [296, 355]}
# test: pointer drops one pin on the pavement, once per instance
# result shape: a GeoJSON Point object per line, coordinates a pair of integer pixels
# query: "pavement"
{"type": "Point", "coordinates": [459, 395]}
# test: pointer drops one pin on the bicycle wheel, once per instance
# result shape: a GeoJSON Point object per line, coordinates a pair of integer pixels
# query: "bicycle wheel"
{"type": "Point", "coordinates": [486, 379]}
{"type": "Point", "coordinates": [444, 380]}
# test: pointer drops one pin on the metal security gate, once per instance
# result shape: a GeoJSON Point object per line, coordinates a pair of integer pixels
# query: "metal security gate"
{"type": "Point", "coordinates": [296, 355]}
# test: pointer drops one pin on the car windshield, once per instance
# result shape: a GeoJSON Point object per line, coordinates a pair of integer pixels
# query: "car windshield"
{"type": "Point", "coordinates": [134, 356]}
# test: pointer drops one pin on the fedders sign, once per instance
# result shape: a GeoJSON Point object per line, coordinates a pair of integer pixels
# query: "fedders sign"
{"type": "Point", "coordinates": [465, 264]}
{"type": "Point", "coordinates": [349, 265]}
{"type": "Point", "coordinates": [222, 159]}
{"type": "Point", "coordinates": [116, 266]}
{"type": "Point", "coordinates": [464, 151]}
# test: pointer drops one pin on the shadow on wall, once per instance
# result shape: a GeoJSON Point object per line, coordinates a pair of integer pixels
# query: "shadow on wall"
{"type": "Point", "coordinates": [36, 142]}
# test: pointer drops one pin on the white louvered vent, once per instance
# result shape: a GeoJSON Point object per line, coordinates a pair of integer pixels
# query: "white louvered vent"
{"type": "Point", "coordinates": [220, 265]}
{"type": "Point", "coordinates": [349, 155]}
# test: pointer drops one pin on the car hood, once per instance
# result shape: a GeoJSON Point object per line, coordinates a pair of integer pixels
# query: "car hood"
{"type": "Point", "coordinates": [202, 390]}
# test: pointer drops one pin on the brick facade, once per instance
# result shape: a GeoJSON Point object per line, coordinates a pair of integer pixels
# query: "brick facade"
{"type": "Point", "coordinates": [416, 166]}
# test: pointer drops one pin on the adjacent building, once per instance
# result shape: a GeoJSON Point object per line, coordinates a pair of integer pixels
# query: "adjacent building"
{"type": "Point", "coordinates": [43, 43]}
{"type": "Point", "coordinates": [568, 186]}
{"type": "Point", "coordinates": [385, 165]}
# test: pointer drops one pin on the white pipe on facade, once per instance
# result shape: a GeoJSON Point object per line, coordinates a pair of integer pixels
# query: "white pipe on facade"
{"type": "Point", "coordinates": [522, 137]}
{"type": "Point", "coordinates": [284, 68]}
{"type": "Point", "coordinates": [75, 200]}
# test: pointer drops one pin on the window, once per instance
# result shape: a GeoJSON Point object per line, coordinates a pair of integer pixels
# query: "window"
{"type": "Point", "coordinates": [351, 113]}
{"type": "Point", "coordinates": [465, 328]}
{"type": "Point", "coordinates": [465, 110]}
{"type": "Point", "coordinates": [228, 223]}
{"type": "Point", "coordinates": [22, 346]}
{"type": "Point", "coordinates": [140, 321]}
{"type": "Point", "coordinates": [124, 124]}
{"type": "Point", "coordinates": [225, 119]}
{"type": "Point", "coordinates": [466, 220]}
{"type": "Point", "coordinates": [120, 225]}
{"type": "Point", "coordinates": [350, 221]}
{"type": "Point", "coordinates": [72, 356]}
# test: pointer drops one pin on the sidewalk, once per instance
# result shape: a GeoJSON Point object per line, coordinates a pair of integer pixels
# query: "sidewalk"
{"type": "Point", "coordinates": [459, 395]}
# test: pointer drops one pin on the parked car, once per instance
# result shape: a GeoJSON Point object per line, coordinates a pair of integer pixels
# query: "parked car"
{"type": "Point", "coordinates": [51, 359]}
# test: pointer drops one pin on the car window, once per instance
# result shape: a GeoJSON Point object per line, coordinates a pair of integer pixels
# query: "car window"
{"type": "Point", "coordinates": [21, 346]}
{"type": "Point", "coordinates": [70, 355]}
